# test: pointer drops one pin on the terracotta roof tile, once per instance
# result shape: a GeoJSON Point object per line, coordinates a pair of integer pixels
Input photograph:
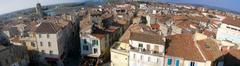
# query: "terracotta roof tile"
{"type": "Point", "coordinates": [231, 21]}
{"type": "Point", "coordinates": [100, 36]}
{"type": "Point", "coordinates": [182, 45]}
{"type": "Point", "coordinates": [47, 27]}
{"type": "Point", "coordinates": [210, 49]}
{"type": "Point", "coordinates": [132, 28]}
{"type": "Point", "coordinates": [155, 26]}
{"type": "Point", "coordinates": [145, 37]}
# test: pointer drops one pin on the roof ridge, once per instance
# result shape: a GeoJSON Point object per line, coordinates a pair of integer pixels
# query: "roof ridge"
{"type": "Point", "coordinates": [196, 45]}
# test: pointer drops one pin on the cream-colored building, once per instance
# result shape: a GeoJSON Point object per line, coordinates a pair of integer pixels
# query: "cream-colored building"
{"type": "Point", "coordinates": [120, 54]}
{"type": "Point", "coordinates": [53, 40]}
{"type": "Point", "coordinates": [146, 49]}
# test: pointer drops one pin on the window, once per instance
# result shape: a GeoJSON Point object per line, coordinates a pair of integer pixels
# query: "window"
{"type": "Point", "coordinates": [85, 47]}
{"type": "Point", "coordinates": [50, 52]}
{"type": "Point", "coordinates": [85, 41]}
{"type": "Point", "coordinates": [149, 58]}
{"type": "Point", "coordinates": [158, 60]}
{"type": "Point", "coordinates": [192, 64]}
{"type": "Point", "coordinates": [148, 47]}
{"type": "Point", "coordinates": [140, 45]}
{"type": "Point", "coordinates": [40, 36]}
{"type": "Point", "coordinates": [95, 50]}
{"type": "Point", "coordinates": [49, 44]}
{"type": "Point", "coordinates": [43, 51]}
{"type": "Point", "coordinates": [47, 35]}
{"type": "Point", "coordinates": [32, 44]}
{"type": "Point", "coordinates": [169, 61]}
{"type": "Point", "coordinates": [134, 55]}
{"type": "Point", "coordinates": [41, 44]}
{"type": "Point", "coordinates": [177, 62]}
{"type": "Point", "coordinates": [141, 57]}
{"type": "Point", "coordinates": [95, 42]}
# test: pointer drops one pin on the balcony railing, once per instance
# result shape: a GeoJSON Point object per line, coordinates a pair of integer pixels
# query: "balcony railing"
{"type": "Point", "coordinates": [145, 51]}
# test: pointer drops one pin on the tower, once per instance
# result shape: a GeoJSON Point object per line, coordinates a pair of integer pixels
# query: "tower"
{"type": "Point", "coordinates": [39, 10]}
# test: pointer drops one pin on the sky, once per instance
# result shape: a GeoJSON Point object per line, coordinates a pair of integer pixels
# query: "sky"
{"type": "Point", "coordinates": [7, 6]}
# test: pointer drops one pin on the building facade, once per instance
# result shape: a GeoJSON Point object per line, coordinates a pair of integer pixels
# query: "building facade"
{"type": "Point", "coordinates": [147, 50]}
{"type": "Point", "coordinates": [229, 33]}
{"type": "Point", "coordinates": [92, 45]}
{"type": "Point", "coordinates": [120, 54]}
{"type": "Point", "coordinates": [52, 40]}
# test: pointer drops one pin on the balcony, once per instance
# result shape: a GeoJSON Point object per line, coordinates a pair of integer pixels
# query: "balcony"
{"type": "Point", "coordinates": [149, 52]}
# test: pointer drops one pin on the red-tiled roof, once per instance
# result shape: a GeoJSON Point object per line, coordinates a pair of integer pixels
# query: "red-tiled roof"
{"type": "Point", "coordinates": [100, 36]}
{"type": "Point", "coordinates": [209, 33]}
{"type": "Point", "coordinates": [232, 21]}
{"type": "Point", "coordinates": [47, 27]}
{"type": "Point", "coordinates": [182, 45]}
{"type": "Point", "coordinates": [210, 49]}
{"type": "Point", "coordinates": [145, 37]}
{"type": "Point", "coordinates": [155, 26]}
{"type": "Point", "coordinates": [132, 28]}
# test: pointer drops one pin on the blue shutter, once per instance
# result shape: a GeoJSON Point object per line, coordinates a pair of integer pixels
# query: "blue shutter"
{"type": "Point", "coordinates": [177, 62]}
{"type": "Point", "coordinates": [169, 61]}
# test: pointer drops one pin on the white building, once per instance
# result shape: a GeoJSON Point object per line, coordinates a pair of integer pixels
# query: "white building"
{"type": "Point", "coordinates": [229, 30]}
{"type": "Point", "coordinates": [92, 45]}
{"type": "Point", "coordinates": [147, 50]}
{"type": "Point", "coordinates": [52, 39]}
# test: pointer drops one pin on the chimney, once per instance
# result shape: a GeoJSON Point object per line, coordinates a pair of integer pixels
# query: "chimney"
{"type": "Point", "coordinates": [164, 39]}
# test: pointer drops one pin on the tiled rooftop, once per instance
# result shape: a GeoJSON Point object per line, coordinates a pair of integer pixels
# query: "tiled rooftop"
{"type": "Point", "coordinates": [146, 37]}
{"type": "Point", "coordinates": [184, 46]}
{"type": "Point", "coordinates": [232, 21]}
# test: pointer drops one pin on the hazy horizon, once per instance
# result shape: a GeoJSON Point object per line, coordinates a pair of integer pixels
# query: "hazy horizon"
{"type": "Point", "coordinates": [8, 6]}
